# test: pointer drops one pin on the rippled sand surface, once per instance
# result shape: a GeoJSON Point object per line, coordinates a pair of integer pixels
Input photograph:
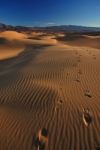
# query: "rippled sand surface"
{"type": "Point", "coordinates": [45, 85]}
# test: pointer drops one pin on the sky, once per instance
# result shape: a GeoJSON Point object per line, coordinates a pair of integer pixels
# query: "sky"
{"type": "Point", "coordinates": [50, 12]}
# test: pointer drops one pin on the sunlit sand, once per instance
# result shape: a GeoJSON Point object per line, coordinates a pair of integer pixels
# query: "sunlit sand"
{"type": "Point", "coordinates": [46, 83]}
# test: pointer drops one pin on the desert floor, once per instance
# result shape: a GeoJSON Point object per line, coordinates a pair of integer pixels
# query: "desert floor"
{"type": "Point", "coordinates": [43, 83]}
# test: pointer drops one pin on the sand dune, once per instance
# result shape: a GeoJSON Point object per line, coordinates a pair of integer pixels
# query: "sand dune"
{"type": "Point", "coordinates": [12, 35]}
{"type": "Point", "coordinates": [80, 40]}
{"type": "Point", "coordinates": [12, 43]}
{"type": "Point", "coordinates": [88, 42]}
{"type": "Point", "coordinates": [45, 86]}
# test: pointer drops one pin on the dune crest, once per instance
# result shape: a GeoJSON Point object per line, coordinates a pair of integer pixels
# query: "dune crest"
{"type": "Point", "coordinates": [12, 35]}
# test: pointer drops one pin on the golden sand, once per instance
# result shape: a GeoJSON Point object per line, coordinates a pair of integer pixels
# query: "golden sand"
{"type": "Point", "coordinates": [45, 86]}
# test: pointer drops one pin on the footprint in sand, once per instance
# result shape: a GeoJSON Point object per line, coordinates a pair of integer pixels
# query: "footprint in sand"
{"type": "Point", "coordinates": [80, 72]}
{"type": "Point", "coordinates": [67, 74]}
{"type": "Point", "coordinates": [59, 102]}
{"type": "Point", "coordinates": [88, 94]}
{"type": "Point", "coordinates": [77, 80]}
{"type": "Point", "coordinates": [79, 60]}
{"type": "Point", "coordinates": [74, 65]}
{"type": "Point", "coordinates": [60, 88]}
{"type": "Point", "coordinates": [87, 117]}
{"type": "Point", "coordinates": [94, 58]}
{"type": "Point", "coordinates": [76, 53]}
{"type": "Point", "coordinates": [56, 109]}
{"type": "Point", "coordinates": [40, 139]}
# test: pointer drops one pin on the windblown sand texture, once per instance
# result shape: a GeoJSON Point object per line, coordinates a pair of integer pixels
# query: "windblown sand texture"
{"type": "Point", "coordinates": [45, 85]}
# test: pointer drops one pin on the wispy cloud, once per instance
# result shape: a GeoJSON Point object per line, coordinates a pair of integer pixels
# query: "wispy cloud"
{"type": "Point", "coordinates": [50, 23]}
{"type": "Point", "coordinates": [40, 23]}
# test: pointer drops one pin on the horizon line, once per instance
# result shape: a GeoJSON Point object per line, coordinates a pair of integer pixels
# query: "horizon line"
{"type": "Point", "coordinates": [43, 26]}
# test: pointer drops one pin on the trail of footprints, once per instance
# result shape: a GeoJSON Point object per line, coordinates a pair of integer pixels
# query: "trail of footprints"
{"type": "Point", "coordinates": [87, 116]}
{"type": "Point", "coordinates": [87, 92]}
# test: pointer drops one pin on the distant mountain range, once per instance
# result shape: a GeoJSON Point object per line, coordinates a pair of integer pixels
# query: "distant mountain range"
{"type": "Point", "coordinates": [65, 28]}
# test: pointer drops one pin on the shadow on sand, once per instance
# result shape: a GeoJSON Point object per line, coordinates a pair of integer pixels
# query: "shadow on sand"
{"type": "Point", "coordinates": [9, 67]}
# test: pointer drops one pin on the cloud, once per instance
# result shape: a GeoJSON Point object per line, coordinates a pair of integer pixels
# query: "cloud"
{"type": "Point", "coordinates": [50, 23]}
{"type": "Point", "coordinates": [40, 23]}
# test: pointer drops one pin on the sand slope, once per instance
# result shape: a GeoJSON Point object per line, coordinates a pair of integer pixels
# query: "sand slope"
{"type": "Point", "coordinates": [10, 44]}
{"type": "Point", "coordinates": [80, 40]}
{"type": "Point", "coordinates": [13, 43]}
{"type": "Point", "coordinates": [44, 86]}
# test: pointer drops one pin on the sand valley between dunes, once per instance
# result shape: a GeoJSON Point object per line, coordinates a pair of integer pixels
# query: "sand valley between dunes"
{"type": "Point", "coordinates": [44, 84]}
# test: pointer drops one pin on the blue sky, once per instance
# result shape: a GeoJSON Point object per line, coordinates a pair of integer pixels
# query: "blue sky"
{"type": "Point", "coordinates": [50, 12]}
